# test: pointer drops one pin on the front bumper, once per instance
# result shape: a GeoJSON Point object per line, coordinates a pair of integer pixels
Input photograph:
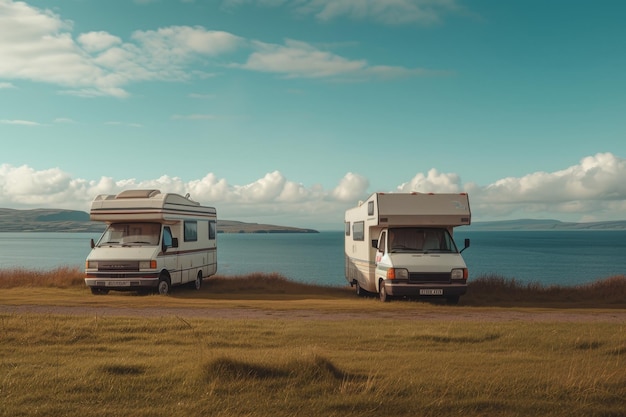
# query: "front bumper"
{"type": "Point", "coordinates": [127, 283]}
{"type": "Point", "coordinates": [403, 288]}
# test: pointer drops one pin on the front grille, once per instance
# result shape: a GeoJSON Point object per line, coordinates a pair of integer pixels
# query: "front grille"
{"type": "Point", "coordinates": [427, 277]}
{"type": "Point", "coordinates": [118, 266]}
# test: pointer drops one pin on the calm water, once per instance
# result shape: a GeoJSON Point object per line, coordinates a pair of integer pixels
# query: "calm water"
{"type": "Point", "coordinates": [549, 257]}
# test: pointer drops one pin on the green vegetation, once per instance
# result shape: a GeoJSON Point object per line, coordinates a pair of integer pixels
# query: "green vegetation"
{"type": "Point", "coordinates": [89, 364]}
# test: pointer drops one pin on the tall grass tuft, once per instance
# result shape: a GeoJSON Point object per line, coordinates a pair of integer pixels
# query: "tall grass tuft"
{"type": "Point", "coordinates": [265, 283]}
{"type": "Point", "coordinates": [496, 288]}
{"type": "Point", "coordinates": [301, 370]}
{"type": "Point", "coordinates": [61, 277]}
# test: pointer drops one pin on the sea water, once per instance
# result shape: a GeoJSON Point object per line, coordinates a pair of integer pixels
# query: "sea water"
{"type": "Point", "coordinates": [547, 257]}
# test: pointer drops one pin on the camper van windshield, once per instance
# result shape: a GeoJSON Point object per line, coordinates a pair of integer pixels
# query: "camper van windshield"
{"type": "Point", "coordinates": [131, 234]}
{"type": "Point", "coordinates": [419, 239]}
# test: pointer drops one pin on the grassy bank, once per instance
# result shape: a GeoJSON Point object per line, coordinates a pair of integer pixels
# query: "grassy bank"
{"type": "Point", "coordinates": [485, 291]}
{"type": "Point", "coordinates": [169, 366]}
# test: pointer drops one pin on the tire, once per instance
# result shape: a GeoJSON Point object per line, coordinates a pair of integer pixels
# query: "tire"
{"type": "Point", "coordinates": [165, 285]}
{"type": "Point", "coordinates": [382, 292]}
{"type": "Point", "coordinates": [99, 291]}
{"type": "Point", "coordinates": [360, 292]}
{"type": "Point", "coordinates": [197, 284]}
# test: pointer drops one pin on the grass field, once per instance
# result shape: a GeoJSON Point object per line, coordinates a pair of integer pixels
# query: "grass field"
{"type": "Point", "coordinates": [92, 365]}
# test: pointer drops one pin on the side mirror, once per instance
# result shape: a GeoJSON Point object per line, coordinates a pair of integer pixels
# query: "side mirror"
{"type": "Point", "coordinates": [93, 244]}
{"type": "Point", "coordinates": [467, 244]}
{"type": "Point", "coordinates": [375, 243]}
{"type": "Point", "coordinates": [174, 242]}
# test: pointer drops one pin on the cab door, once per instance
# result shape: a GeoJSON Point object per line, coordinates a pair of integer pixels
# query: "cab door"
{"type": "Point", "coordinates": [382, 258]}
{"type": "Point", "coordinates": [169, 251]}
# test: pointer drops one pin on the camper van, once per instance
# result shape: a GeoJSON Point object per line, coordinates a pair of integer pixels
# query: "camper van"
{"type": "Point", "coordinates": [152, 242]}
{"type": "Point", "coordinates": [401, 244]}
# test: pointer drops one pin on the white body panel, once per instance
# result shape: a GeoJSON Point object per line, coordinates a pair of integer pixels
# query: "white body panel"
{"type": "Point", "coordinates": [368, 247]}
{"type": "Point", "coordinates": [150, 238]}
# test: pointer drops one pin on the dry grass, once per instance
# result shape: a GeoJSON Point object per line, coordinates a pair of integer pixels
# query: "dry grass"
{"type": "Point", "coordinates": [62, 277]}
{"type": "Point", "coordinates": [54, 365]}
{"type": "Point", "coordinates": [489, 290]}
{"type": "Point", "coordinates": [94, 365]}
{"type": "Point", "coordinates": [497, 290]}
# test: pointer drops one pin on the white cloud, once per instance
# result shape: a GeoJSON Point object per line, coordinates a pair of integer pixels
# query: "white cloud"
{"type": "Point", "coordinates": [434, 181]}
{"type": "Point", "coordinates": [25, 186]}
{"type": "Point", "coordinates": [388, 12]}
{"type": "Point", "coordinates": [592, 190]}
{"type": "Point", "coordinates": [6, 86]}
{"type": "Point", "coordinates": [38, 45]}
{"type": "Point", "coordinates": [392, 12]}
{"type": "Point", "coordinates": [19, 122]}
{"type": "Point", "coordinates": [64, 120]}
{"type": "Point", "coordinates": [297, 59]}
{"type": "Point", "coordinates": [351, 187]}
{"type": "Point", "coordinates": [98, 41]}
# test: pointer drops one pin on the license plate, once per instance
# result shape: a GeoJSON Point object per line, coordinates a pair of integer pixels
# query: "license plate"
{"type": "Point", "coordinates": [118, 284]}
{"type": "Point", "coordinates": [431, 291]}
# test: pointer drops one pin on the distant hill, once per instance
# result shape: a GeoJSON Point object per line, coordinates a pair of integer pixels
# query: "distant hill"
{"type": "Point", "coordinates": [534, 224]}
{"type": "Point", "coordinates": [57, 220]}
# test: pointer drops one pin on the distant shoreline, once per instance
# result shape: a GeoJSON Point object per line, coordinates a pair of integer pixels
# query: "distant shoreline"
{"type": "Point", "coordinates": [72, 221]}
{"type": "Point", "coordinates": [544, 225]}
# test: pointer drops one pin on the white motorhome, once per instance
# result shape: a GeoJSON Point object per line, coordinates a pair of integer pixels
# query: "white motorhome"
{"type": "Point", "coordinates": [152, 241]}
{"type": "Point", "coordinates": [401, 244]}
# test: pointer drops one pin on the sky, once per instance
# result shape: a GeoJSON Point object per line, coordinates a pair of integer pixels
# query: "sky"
{"type": "Point", "coordinates": [291, 111]}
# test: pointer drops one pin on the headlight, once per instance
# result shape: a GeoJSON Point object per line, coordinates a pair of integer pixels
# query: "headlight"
{"type": "Point", "coordinates": [92, 265]}
{"type": "Point", "coordinates": [397, 273]}
{"type": "Point", "coordinates": [147, 264]}
{"type": "Point", "coordinates": [459, 273]}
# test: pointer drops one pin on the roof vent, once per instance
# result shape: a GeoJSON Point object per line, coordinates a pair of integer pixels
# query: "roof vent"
{"type": "Point", "coordinates": [138, 194]}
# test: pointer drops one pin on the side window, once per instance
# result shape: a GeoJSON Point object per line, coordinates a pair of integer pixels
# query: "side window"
{"type": "Point", "coordinates": [358, 231]}
{"type": "Point", "coordinates": [370, 208]}
{"type": "Point", "coordinates": [167, 237]}
{"type": "Point", "coordinates": [191, 231]}
{"type": "Point", "coordinates": [212, 229]}
{"type": "Point", "coordinates": [347, 228]}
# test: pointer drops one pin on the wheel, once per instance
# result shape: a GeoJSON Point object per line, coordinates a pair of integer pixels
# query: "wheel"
{"type": "Point", "coordinates": [164, 284]}
{"type": "Point", "coordinates": [359, 291]}
{"type": "Point", "coordinates": [382, 292]}
{"type": "Point", "coordinates": [197, 284]}
{"type": "Point", "coordinates": [99, 291]}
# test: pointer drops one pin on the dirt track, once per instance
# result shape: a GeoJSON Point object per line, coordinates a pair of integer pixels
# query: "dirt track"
{"type": "Point", "coordinates": [451, 314]}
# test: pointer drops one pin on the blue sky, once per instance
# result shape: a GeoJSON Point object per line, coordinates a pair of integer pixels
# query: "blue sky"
{"type": "Point", "coordinates": [288, 112]}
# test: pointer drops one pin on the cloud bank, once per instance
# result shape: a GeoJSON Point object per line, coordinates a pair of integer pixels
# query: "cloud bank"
{"type": "Point", "coordinates": [592, 190]}
{"type": "Point", "coordinates": [38, 45]}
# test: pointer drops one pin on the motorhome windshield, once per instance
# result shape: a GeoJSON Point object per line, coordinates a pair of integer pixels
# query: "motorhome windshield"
{"type": "Point", "coordinates": [131, 234]}
{"type": "Point", "coordinates": [419, 239]}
